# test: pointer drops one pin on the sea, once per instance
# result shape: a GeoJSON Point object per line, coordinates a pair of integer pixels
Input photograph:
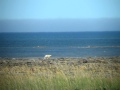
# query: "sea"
{"type": "Point", "coordinates": [60, 44]}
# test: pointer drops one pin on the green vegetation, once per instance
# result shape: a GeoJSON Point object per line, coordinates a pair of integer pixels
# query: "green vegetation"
{"type": "Point", "coordinates": [87, 76]}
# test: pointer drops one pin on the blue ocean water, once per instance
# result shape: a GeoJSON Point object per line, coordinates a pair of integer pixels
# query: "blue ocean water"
{"type": "Point", "coordinates": [60, 44]}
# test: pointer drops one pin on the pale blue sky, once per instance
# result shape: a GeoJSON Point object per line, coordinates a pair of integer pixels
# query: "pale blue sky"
{"type": "Point", "coordinates": [59, 9]}
{"type": "Point", "coordinates": [59, 15]}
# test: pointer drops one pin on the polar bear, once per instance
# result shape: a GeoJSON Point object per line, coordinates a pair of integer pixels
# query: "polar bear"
{"type": "Point", "coordinates": [47, 56]}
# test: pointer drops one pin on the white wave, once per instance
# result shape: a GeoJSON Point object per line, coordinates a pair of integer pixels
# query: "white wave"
{"type": "Point", "coordinates": [97, 47]}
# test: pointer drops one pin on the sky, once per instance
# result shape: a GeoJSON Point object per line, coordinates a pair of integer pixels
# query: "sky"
{"type": "Point", "coordinates": [76, 14]}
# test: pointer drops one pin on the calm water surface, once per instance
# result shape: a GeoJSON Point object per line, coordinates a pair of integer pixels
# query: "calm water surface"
{"type": "Point", "coordinates": [62, 44]}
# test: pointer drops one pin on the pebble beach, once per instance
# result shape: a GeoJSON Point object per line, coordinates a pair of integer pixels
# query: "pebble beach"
{"type": "Point", "coordinates": [52, 61]}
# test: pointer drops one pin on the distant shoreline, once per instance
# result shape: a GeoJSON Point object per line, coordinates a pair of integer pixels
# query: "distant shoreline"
{"type": "Point", "coordinates": [55, 57]}
{"type": "Point", "coordinates": [55, 61]}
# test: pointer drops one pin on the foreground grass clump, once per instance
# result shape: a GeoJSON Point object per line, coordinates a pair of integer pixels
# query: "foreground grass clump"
{"type": "Point", "coordinates": [58, 82]}
{"type": "Point", "coordinates": [87, 76]}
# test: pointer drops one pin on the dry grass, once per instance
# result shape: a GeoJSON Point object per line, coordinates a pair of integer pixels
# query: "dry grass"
{"type": "Point", "coordinates": [87, 76]}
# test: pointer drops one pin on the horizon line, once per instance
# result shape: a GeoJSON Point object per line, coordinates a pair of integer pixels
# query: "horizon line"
{"type": "Point", "coordinates": [61, 18]}
{"type": "Point", "coordinates": [60, 31]}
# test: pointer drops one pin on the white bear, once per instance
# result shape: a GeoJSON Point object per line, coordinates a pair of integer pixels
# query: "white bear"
{"type": "Point", "coordinates": [47, 56]}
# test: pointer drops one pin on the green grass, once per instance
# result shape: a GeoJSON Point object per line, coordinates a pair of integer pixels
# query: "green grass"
{"type": "Point", "coordinates": [62, 77]}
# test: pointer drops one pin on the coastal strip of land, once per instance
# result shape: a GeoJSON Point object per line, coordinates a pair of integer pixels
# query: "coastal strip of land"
{"type": "Point", "coordinates": [63, 73]}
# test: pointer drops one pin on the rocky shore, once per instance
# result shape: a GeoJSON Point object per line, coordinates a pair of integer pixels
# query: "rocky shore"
{"type": "Point", "coordinates": [54, 61]}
